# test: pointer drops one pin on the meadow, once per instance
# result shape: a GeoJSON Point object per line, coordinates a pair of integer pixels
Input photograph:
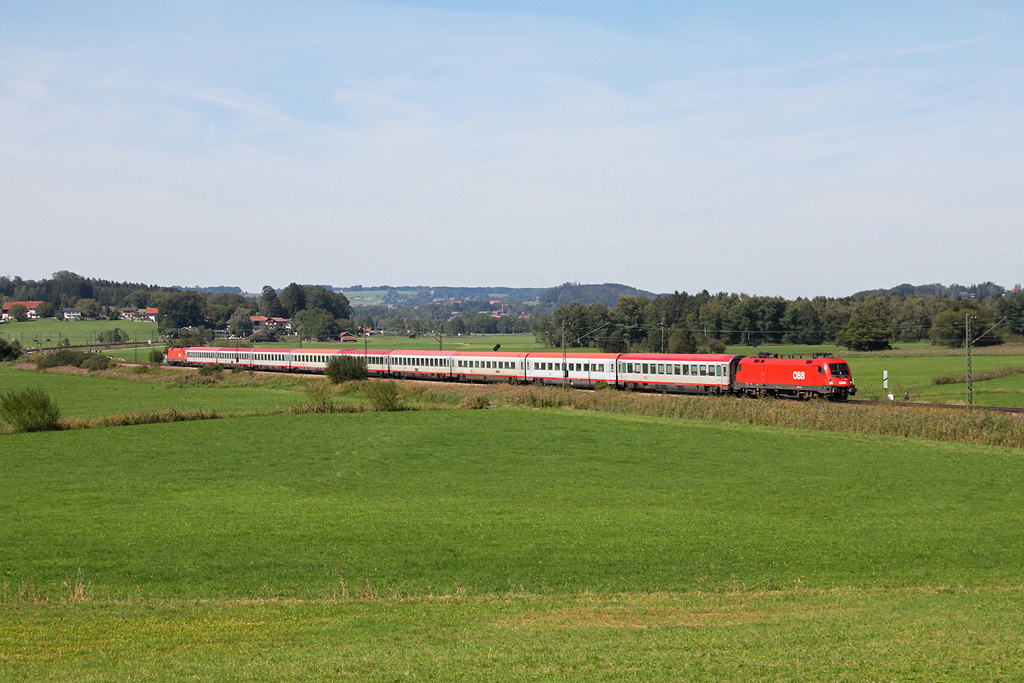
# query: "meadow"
{"type": "Point", "coordinates": [559, 535]}
{"type": "Point", "coordinates": [49, 332]}
{"type": "Point", "coordinates": [506, 544]}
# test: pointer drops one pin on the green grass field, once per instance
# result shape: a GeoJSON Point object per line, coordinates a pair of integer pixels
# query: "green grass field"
{"type": "Point", "coordinates": [504, 544]}
{"type": "Point", "coordinates": [48, 332]}
{"type": "Point", "coordinates": [87, 397]}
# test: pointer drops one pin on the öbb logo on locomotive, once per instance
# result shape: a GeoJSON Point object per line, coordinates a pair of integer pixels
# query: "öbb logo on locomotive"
{"type": "Point", "coordinates": [821, 376]}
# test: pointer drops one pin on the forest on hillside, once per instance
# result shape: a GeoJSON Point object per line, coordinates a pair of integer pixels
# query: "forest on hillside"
{"type": "Point", "coordinates": [611, 317]}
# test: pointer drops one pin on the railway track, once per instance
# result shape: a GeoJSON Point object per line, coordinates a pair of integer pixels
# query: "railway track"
{"type": "Point", "coordinates": [947, 406]}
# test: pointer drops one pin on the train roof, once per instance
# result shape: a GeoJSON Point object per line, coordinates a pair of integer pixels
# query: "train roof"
{"type": "Point", "coordinates": [572, 354]}
{"type": "Point", "coordinates": [507, 354]}
{"type": "Point", "coordinates": [681, 357]}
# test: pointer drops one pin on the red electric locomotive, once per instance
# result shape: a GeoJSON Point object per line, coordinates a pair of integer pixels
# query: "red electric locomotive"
{"type": "Point", "coordinates": [824, 376]}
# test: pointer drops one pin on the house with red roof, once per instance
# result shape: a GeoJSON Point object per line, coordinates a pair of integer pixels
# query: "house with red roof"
{"type": "Point", "coordinates": [30, 305]}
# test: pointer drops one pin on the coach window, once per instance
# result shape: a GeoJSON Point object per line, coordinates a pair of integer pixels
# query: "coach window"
{"type": "Point", "coordinates": [677, 369]}
{"type": "Point", "coordinates": [661, 368]}
{"type": "Point", "coordinates": [703, 370]}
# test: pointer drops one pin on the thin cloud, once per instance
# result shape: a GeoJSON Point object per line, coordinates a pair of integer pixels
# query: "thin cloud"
{"type": "Point", "coordinates": [932, 48]}
{"type": "Point", "coordinates": [249, 108]}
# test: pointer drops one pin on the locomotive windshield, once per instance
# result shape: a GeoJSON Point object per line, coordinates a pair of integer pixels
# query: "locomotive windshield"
{"type": "Point", "coordinates": [839, 369]}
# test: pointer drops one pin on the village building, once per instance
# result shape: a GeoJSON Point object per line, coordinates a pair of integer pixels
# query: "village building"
{"type": "Point", "coordinates": [30, 305]}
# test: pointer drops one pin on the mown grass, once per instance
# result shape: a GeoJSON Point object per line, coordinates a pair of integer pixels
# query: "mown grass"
{"type": "Point", "coordinates": [835, 635]}
{"type": "Point", "coordinates": [506, 545]}
{"type": "Point", "coordinates": [421, 503]}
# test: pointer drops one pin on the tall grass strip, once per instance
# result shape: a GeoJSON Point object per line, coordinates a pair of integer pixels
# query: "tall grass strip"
{"type": "Point", "coordinates": [979, 376]}
{"type": "Point", "coordinates": [140, 418]}
{"type": "Point", "coordinates": [973, 427]}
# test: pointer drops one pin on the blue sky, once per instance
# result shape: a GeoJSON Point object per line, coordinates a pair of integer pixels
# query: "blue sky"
{"type": "Point", "coordinates": [792, 148]}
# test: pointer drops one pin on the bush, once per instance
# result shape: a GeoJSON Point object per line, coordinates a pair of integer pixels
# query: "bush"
{"type": "Point", "coordinates": [345, 368]}
{"type": "Point", "coordinates": [385, 396]}
{"type": "Point", "coordinates": [320, 398]}
{"type": "Point", "coordinates": [478, 402]}
{"type": "Point", "coordinates": [9, 350]}
{"type": "Point", "coordinates": [114, 336]}
{"type": "Point", "coordinates": [156, 356]}
{"type": "Point", "coordinates": [60, 358]}
{"type": "Point", "coordinates": [209, 370]}
{"type": "Point", "coordinates": [74, 359]}
{"type": "Point", "coordinates": [29, 410]}
{"type": "Point", "coordinates": [97, 361]}
{"type": "Point", "coordinates": [191, 380]}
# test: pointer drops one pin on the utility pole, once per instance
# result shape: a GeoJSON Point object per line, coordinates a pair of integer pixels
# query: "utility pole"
{"type": "Point", "coordinates": [565, 373]}
{"type": "Point", "coordinates": [967, 346]}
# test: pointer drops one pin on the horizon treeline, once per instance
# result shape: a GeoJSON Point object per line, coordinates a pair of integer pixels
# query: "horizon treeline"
{"type": "Point", "coordinates": [677, 322]}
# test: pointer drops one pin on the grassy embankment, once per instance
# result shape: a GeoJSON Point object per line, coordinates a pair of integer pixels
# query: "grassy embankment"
{"type": "Point", "coordinates": [125, 394]}
{"type": "Point", "coordinates": [506, 545]}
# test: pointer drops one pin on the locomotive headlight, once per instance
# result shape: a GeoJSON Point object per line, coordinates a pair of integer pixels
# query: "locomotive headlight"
{"type": "Point", "coordinates": [831, 381]}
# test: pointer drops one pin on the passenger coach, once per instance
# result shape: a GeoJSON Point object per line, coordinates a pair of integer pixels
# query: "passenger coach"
{"type": "Point", "coordinates": [764, 375]}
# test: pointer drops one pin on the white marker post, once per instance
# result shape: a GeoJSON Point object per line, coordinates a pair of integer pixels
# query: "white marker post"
{"type": "Point", "coordinates": [885, 379]}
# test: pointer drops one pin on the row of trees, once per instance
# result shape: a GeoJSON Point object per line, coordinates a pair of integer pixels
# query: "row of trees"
{"type": "Point", "coordinates": [65, 289]}
{"type": "Point", "coordinates": [684, 323]}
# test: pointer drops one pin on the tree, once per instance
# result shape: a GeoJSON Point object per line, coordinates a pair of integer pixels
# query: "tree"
{"type": "Point", "coordinates": [90, 307]}
{"type": "Point", "coordinates": [293, 299]}
{"type": "Point", "coordinates": [948, 328]}
{"type": "Point", "coordinates": [45, 310]}
{"type": "Point", "coordinates": [315, 323]}
{"type": "Point", "coordinates": [334, 303]}
{"type": "Point", "coordinates": [180, 309]}
{"type": "Point", "coordinates": [270, 304]}
{"type": "Point", "coordinates": [864, 333]}
{"type": "Point", "coordinates": [239, 324]}
{"type": "Point", "coordinates": [682, 341]}
{"type": "Point", "coordinates": [18, 313]}
{"type": "Point", "coordinates": [189, 338]}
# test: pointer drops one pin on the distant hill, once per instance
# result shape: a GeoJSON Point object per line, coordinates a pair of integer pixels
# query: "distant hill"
{"type": "Point", "coordinates": [213, 290]}
{"type": "Point", "coordinates": [954, 291]}
{"type": "Point", "coordinates": [607, 294]}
